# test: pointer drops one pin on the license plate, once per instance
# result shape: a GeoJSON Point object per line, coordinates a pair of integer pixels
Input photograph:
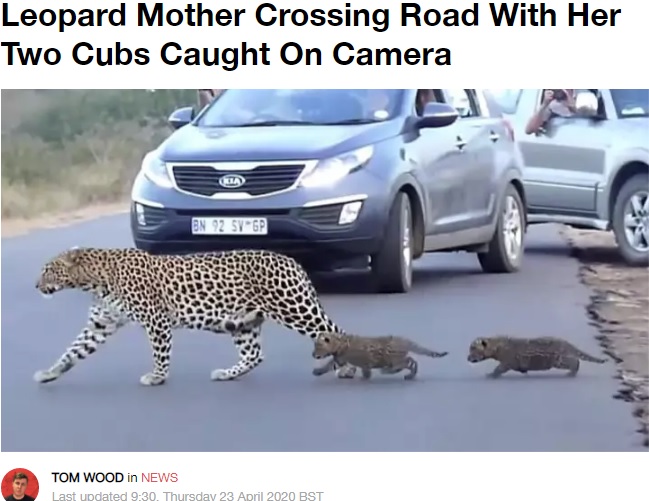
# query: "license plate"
{"type": "Point", "coordinates": [229, 226]}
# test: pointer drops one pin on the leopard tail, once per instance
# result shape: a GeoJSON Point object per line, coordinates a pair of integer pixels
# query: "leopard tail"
{"type": "Point", "coordinates": [582, 355]}
{"type": "Point", "coordinates": [420, 350]}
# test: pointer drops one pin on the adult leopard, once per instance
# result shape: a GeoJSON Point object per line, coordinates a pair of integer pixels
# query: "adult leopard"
{"type": "Point", "coordinates": [199, 291]}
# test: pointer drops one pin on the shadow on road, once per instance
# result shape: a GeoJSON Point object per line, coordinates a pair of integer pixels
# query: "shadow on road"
{"type": "Point", "coordinates": [599, 255]}
{"type": "Point", "coordinates": [361, 282]}
{"type": "Point", "coordinates": [587, 252]}
{"type": "Point", "coordinates": [559, 250]}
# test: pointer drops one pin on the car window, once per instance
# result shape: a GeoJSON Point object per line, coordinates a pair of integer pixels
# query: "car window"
{"type": "Point", "coordinates": [242, 107]}
{"type": "Point", "coordinates": [631, 103]}
{"type": "Point", "coordinates": [462, 102]}
{"type": "Point", "coordinates": [506, 99]}
{"type": "Point", "coordinates": [488, 104]}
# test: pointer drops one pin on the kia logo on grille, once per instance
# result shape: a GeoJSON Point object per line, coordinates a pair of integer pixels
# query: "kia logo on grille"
{"type": "Point", "coordinates": [232, 181]}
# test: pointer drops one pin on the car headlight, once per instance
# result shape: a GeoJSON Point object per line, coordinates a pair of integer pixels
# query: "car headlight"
{"type": "Point", "coordinates": [331, 170]}
{"type": "Point", "coordinates": [155, 170]}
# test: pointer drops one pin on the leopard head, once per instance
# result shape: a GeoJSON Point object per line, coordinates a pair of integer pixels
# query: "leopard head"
{"type": "Point", "coordinates": [327, 344]}
{"type": "Point", "coordinates": [64, 271]}
{"type": "Point", "coordinates": [481, 348]}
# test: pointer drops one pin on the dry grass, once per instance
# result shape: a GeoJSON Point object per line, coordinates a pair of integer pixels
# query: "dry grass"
{"type": "Point", "coordinates": [19, 226]}
{"type": "Point", "coordinates": [39, 179]}
{"type": "Point", "coordinates": [20, 105]}
{"type": "Point", "coordinates": [89, 187]}
{"type": "Point", "coordinates": [72, 151]}
{"type": "Point", "coordinates": [620, 310]}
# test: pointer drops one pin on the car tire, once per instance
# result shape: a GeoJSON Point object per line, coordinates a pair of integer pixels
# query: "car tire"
{"type": "Point", "coordinates": [392, 265]}
{"type": "Point", "coordinates": [635, 188]}
{"type": "Point", "coordinates": [506, 249]}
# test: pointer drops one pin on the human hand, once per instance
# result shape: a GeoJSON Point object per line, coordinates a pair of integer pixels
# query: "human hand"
{"type": "Point", "coordinates": [548, 96]}
{"type": "Point", "coordinates": [570, 98]}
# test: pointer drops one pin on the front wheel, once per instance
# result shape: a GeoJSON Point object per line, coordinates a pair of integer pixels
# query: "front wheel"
{"type": "Point", "coordinates": [392, 265]}
{"type": "Point", "coordinates": [631, 220]}
{"type": "Point", "coordinates": [505, 251]}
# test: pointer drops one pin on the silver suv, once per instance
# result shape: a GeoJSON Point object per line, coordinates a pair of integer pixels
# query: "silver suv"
{"type": "Point", "coordinates": [590, 170]}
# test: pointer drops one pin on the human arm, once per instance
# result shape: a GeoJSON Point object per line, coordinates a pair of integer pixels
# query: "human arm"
{"type": "Point", "coordinates": [541, 115]}
{"type": "Point", "coordinates": [205, 97]}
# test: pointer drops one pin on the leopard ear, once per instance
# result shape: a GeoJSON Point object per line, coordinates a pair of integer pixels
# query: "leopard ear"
{"type": "Point", "coordinates": [71, 257]}
{"type": "Point", "coordinates": [479, 341]}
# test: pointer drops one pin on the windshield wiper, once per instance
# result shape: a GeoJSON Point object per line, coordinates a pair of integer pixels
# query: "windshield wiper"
{"type": "Point", "coordinates": [353, 121]}
{"type": "Point", "coordinates": [272, 123]}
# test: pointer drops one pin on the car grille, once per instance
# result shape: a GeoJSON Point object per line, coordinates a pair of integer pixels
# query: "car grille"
{"type": "Point", "coordinates": [263, 180]}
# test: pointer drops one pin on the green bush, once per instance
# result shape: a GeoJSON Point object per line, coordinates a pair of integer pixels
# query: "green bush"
{"type": "Point", "coordinates": [76, 148]}
{"type": "Point", "coordinates": [74, 112]}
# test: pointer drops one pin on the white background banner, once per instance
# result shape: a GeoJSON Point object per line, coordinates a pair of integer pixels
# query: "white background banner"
{"type": "Point", "coordinates": [73, 44]}
{"type": "Point", "coordinates": [175, 42]}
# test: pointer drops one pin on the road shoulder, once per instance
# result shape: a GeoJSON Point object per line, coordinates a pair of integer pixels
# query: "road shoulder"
{"type": "Point", "coordinates": [619, 308]}
{"type": "Point", "coordinates": [17, 227]}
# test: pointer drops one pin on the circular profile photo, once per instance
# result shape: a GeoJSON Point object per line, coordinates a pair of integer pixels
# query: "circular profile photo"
{"type": "Point", "coordinates": [19, 484]}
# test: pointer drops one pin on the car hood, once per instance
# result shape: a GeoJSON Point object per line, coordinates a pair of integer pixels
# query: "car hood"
{"type": "Point", "coordinates": [215, 144]}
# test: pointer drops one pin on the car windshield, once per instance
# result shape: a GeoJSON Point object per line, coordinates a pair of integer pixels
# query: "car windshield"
{"type": "Point", "coordinates": [631, 103]}
{"type": "Point", "coordinates": [269, 107]}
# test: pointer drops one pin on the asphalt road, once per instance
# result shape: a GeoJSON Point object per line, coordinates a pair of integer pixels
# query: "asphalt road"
{"type": "Point", "coordinates": [100, 406]}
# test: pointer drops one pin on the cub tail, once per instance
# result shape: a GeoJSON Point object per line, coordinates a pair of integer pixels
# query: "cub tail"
{"type": "Point", "coordinates": [582, 355]}
{"type": "Point", "coordinates": [420, 350]}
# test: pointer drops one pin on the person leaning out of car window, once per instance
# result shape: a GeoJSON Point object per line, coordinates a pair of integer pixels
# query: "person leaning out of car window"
{"type": "Point", "coordinates": [206, 96]}
{"type": "Point", "coordinates": [424, 96]}
{"type": "Point", "coordinates": [556, 103]}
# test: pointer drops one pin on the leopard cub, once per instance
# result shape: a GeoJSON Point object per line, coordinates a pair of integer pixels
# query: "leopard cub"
{"type": "Point", "coordinates": [528, 354]}
{"type": "Point", "coordinates": [389, 354]}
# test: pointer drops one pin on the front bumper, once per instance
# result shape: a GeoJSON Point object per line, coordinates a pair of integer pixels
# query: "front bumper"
{"type": "Point", "coordinates": [299, 223]}
{"type": "Point", "coordinates": [296, 231]}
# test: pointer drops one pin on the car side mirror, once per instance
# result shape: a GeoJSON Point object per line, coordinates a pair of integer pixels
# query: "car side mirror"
{"type": "Point", "coordinates": [181, 117]}
{"type": "Point", "coordinates": [586, 104]}
{"type": "Point", "coordinates": [437, 115]}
